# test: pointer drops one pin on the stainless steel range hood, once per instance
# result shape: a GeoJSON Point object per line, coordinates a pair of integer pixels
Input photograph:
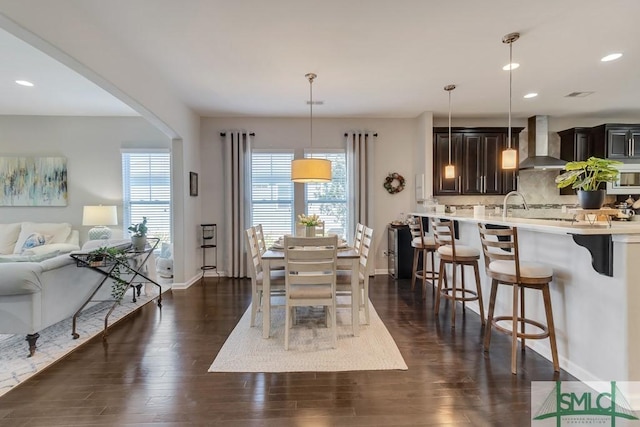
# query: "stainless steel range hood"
{"type": "Point", "coordinates": [538, 142]}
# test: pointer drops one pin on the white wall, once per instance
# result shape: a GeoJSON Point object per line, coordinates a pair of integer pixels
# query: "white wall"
{"type": "Point", "coordinates": [92, 148]}
{"type": "Point", "coordinates": [395, 152]}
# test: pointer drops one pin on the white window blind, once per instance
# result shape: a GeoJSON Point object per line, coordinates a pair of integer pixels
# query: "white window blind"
{"type": "Point", "coordinates": [272, 193]}
{"type": "Point", "coordinates": [329, 200]}
{"type": "Point", "coordinates": [146, 178]}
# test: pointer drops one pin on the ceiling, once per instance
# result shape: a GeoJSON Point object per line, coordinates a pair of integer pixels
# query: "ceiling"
{"type": "Point", "coordinates": [374, 58]}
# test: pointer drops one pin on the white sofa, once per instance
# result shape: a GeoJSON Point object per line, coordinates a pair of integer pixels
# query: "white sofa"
{"type": "Point", "coordinates": [41, 285]}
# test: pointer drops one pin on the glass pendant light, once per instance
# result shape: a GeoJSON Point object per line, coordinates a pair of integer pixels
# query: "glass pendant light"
{"type": "Point", "coordinates": [450, 169]}
{"type": "Point", "coordinates": [510, 155]}
{"type": "Point", "coordinates": [309, 169]}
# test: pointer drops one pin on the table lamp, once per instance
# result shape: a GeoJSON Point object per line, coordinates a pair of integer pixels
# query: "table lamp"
{"type": "Point", "coordinates": [100, 216]}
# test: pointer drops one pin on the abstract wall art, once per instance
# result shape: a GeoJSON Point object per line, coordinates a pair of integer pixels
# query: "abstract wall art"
{"type": "Point", "coordinates": [33, 181]}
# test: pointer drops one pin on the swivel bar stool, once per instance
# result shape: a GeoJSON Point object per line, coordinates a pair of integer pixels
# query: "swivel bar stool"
{"type": "Point", "coordinates": [503, 266]}
{"type": "Point", "coordinates": [455, 254]}
{"type": "Point", "coordinates": [422, 245]}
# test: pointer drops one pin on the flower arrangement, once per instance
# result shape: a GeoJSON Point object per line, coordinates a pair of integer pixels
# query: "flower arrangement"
{"type": "Point", "coordinates": [309, 220]}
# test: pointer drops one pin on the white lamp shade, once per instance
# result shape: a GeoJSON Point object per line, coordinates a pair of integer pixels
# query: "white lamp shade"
{"type": "Point", "coordinates": [449, 171]}
{"type": "Point", "coordinates": [311, 170]}
{"type": "Point", "coordinates": [100, 215]}
{"type": "Point", "coordinates": [509, 158]}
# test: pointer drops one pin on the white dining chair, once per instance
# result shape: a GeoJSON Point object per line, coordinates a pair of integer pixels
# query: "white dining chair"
{"type": "Point", "coordinates": [310, 280]}
{"type": "Point", "coordinates": [262, 245]}
{"type": "Point", "coordinates": [343, 278]}
{"type": "Point", "coordinates": [357, 240]}
{"type": "Point", "coordinates": [256, 274]}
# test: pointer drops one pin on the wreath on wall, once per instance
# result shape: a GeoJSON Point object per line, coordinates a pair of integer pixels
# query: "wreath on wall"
{"type": "Point", "coordinates": [394, 183]}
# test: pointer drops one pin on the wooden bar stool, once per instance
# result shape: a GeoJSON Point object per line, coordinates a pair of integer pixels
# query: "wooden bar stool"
{"type": "Point", "coordinates": [455, 254]}
{"type": "Point", "coordinates": [503, 266]}
{"type": "Point", "coordinates": [425, 246]}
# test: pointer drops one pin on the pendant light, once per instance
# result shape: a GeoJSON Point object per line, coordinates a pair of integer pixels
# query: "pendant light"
{"type": "Point", "coordinates": [450, 169]}
{"type": "Point", "coordinates": [510, 155]}
{"type": "Point", "coordinates": [309, 169]}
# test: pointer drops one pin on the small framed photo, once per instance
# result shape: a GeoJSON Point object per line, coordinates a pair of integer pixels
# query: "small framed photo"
{"type": "Point", "coordinates": [193, 184]}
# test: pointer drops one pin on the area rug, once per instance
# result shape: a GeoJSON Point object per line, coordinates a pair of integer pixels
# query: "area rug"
{"type": "Point", "coordinates": [55, 341]}
{"type": "Point", "coordinates": [310, 347]}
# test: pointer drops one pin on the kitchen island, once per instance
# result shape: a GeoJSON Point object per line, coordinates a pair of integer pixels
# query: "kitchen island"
{"type": "Point", "coordinates": [596, 313]}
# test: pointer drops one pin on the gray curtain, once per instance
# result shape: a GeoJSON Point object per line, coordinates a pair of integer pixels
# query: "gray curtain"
{"type": "Point", "coordinates": [237, 161]}
{"type": "Point", "coordinates": [360, 162]}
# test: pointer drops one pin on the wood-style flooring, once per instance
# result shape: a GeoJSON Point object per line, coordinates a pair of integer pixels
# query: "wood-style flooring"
{"type": "Point", "coordinates": [153, 371]}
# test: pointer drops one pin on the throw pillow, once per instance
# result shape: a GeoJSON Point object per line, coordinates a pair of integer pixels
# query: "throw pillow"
{"type": "Point", "coordinates": [33, 240]}
{"type": "Point", "coordinates": [8, 237]}
{"type": "Point", "coordinates": [59, 232]}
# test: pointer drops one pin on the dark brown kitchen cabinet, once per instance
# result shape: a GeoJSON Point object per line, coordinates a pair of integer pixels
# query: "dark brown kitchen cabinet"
{"type": "Point", "coordinates": [577, 144]}
{"type": "Point", "coordinates": [476, 153]}
{"type": "Point", "coordinates": [622, 141]}
{"type": "Point", "coordinates": [442, 185]}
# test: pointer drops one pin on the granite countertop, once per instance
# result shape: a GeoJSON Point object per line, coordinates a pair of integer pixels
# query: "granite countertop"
{"type": "Point", "coordinates": [542, 222]}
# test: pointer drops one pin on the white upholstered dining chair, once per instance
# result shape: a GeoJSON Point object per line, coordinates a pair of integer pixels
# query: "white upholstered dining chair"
{"type": "Point", "coordinates": [310, 278]}
{"type": "Point", "coordinates": [256, 274]}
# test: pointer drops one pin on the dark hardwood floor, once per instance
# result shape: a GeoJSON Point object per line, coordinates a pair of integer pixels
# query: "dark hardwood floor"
{"type": "Point", "coordinates": [153, 371]}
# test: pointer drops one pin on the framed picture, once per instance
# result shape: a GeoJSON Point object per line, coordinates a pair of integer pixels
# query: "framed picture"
{"type": "Point", "coordinates": [33, 181]}
{"type": "Point", "coordinates": [193, 184]}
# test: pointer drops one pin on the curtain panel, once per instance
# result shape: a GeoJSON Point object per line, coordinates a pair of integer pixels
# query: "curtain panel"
{"type": "Point", "coordinates": [237, 162]}
{"type": "Point", "coordinates": [360, 162]}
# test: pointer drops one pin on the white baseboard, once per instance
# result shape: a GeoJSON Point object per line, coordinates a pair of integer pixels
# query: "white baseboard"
{"type": "Point", "coordinates": [181, 286]}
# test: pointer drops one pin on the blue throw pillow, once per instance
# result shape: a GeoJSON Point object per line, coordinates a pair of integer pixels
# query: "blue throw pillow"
{"type": "Point", "coordinates": [33, 240]}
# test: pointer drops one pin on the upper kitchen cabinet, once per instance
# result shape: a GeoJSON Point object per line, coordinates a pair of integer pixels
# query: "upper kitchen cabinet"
{"type": "Point", "coordinates": [476, 153]}
{"type": "Point", "coordinates": [441, 185]}
{"type": "Point", "coordinates": [577, 144]}
{"type": "Point", "coordinates": [622, 141]}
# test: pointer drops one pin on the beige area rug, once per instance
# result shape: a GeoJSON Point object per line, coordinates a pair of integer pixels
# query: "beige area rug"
{"type": "Point", "coordinates": [56, 342]}
{"type": "Point", "coordinates": [309, 345]}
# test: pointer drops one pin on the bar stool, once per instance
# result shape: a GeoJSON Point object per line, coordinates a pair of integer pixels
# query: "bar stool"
{"type": "Point", "coordinates": [503, 266]}
{"type": "Point", "coordinates": [424, 245]}
{"type": "Point", "coordinates": [455, 254]}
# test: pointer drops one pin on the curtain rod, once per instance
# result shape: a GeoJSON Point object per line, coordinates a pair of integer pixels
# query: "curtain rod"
{"type": "Point", "coordinates": [375, 134]}
{"type": "Point", "coordinates": [225, 134]}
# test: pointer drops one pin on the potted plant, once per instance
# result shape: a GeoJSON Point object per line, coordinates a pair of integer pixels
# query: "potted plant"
{"type": "Point", "coordinates": [106, 256]}
{"type": "Point", "coordinates": [587, 178]}
{"type": "Point", "coordinates": [139, 234]}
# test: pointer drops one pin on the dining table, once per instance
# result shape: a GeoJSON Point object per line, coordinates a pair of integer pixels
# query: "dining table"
{"type": "Point", "coordinates": [347, 259]}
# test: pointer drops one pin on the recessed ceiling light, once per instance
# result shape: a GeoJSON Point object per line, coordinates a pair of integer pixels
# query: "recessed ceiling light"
{"type": "Point", "coordinates": [24, 83]}
{"type": "Point", "coordinates": [531, 95]}
{"type": "Point", "coordinates": [611, 57]}
{"type": "Point", "coordinates": [511, 66]}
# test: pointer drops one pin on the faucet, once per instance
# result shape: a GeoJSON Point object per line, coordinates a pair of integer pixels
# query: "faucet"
{"type": "Point", "coordinates": [504, 203]}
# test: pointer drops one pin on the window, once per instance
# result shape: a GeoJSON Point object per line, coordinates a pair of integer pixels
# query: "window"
{"type": "Point", "coordinates": [272, 193]}
{"type": "Point", "coordinates": [329, 200]}
{"type": "Point", "coordinates": [146, 179]}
